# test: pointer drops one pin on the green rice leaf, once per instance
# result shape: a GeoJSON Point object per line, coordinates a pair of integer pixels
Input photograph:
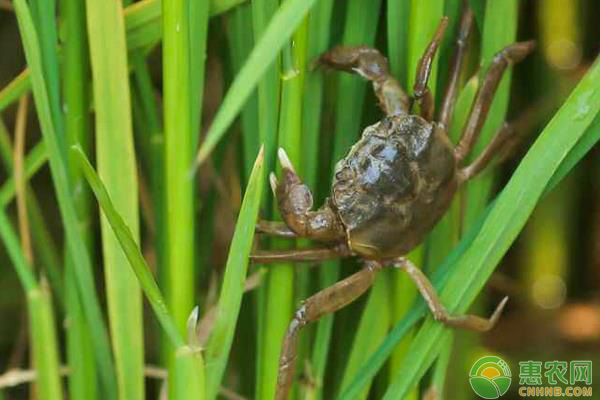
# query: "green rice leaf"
{"type": "Point", "coordinates": [115, 157]}
{"type": "Point", "coordinates": [232, 289]}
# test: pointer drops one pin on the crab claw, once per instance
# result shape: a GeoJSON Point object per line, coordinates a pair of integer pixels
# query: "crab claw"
{"type": "Point", "coordinates": [273, 181]}
{"type": "Point", "coordinates": [284, 160]}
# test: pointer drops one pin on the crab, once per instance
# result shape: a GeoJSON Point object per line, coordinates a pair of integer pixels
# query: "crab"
{"type": "Point", "coordinates": [390, 190]}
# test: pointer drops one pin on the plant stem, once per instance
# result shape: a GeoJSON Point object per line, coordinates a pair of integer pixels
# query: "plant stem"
{"type": "Point", "coordinates": [80, 353]}
{"type": "Point", "coordinates": [117, 167]}
{"type": "Point", "coordinates": [181, 102]}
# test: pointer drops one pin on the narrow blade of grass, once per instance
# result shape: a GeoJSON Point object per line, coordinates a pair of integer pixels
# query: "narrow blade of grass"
{"type": "Point", "coordinates": [149, 134]}
{"type": "Point", "coordinates": [22, 268]}
{"type": "Point", "coordinates": [240, 38]}
{"type": "Point", "coordinates": [84, 382]}
{"type": "Point", "coordinates": [179, 201]}
{"type": "Point", "coordinates": [188, 367]}
{"type": "Point", "coordinates": [179, 268]}
{"type": "Point", "coordinates": [60, 177]}
{"type": "Point", "coordinates": [198, 13]}
{"type": "Point", "coordinates": [187, 360]}
{"type": "Point", "coordinates": [263, 12]}
{"type": "Point", "coordinates": [44, 345]}
{"type": "Point", "coordinates": [372, 329]}
{"type": "Point", "coordinates": [76, 90]}
{"type": "Point", "coordinates": [438, 379]}
{"type": "Point", "coordinates": [282, 25]}
{"type": "Point", "coordinates": [43, 13]}
{"type": "Point", "coordinates": [182, 97]}
{"type": "Point", "coordinates": [45, 245]}
{"type": "Point", "coordinates": [221, 6]}
{"type": "Point", "coordinates": [15, 89]}
{"type": "Point", "coordinates": [398, 13]}
{"type": "Point", "coordinates": [583, 146]}
{"type": "Point", "coordinates": [230, 298]}
{"type": "Point", "coordinates": [117, 167]}
{"type": "Point", "coordinates": [478, 7]}
{"type": "Point", "coordinates": [35, 159]}
{"type": "Point", "coordinates": [130, 248]}
{"type": "Point", "coordinates": [268, 114]}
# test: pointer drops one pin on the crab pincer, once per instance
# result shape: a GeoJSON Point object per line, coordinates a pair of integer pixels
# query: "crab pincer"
{"type": "Point", "coordinates": [295, 202]}
{"type": "Point", "coordinates": [293, 196]}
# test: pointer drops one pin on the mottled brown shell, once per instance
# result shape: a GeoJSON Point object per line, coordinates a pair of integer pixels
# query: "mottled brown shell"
{"type": "Point", "coordinates": [394, 185]}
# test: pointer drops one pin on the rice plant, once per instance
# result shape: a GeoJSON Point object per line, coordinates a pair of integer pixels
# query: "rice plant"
{"type": "Point", "coordinates": [160, 120]}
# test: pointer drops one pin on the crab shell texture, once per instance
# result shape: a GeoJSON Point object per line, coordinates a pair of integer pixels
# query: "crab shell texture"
{"type": "Point", "coordinates": [394, 185]}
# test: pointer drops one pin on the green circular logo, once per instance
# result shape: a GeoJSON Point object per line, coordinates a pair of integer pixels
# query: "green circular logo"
{"type": "Point", "coordinates": [490, 377]}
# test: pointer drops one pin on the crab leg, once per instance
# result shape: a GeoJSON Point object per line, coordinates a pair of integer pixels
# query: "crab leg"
{"type": "Point", "coordinates": [497, 143]}
{"type": "Point", "coordinates": [299, 255]}
{"type": "Point", "coordinates": [505, 57]}
{"type": "Point", "coordinates": [324, 302]}
{"type": "Point", "coordinates": [421, 92]}
{"type": "Point", "coordinates": [459, 55]}
{"type": "Point", "coordinates": [471, 322]}
{"type": "Point", "coordinates": [373, 66]}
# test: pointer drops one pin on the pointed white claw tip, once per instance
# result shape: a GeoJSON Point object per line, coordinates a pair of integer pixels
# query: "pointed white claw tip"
{"type": "Point", "coordinates": [273, 181]}
{"type": "Point", "coordinates": [503, 303]}
{"type": "Point", "coordinates": [285, 160]}
{"type": "Point", "coordinates": [499, 310]}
